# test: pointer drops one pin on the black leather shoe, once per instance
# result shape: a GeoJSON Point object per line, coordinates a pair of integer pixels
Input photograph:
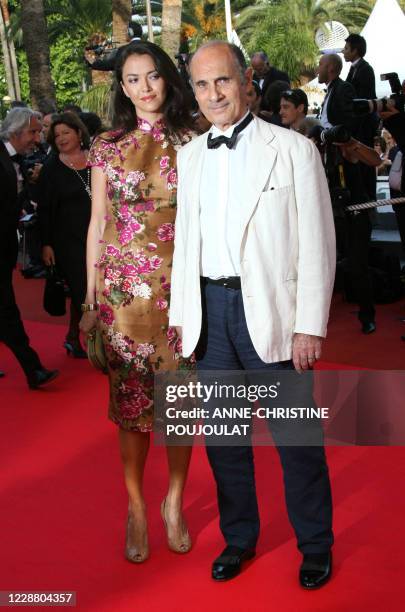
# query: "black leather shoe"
{"type": "Point", "coordinates": [368, 327]}
{"type": "Point", "coordinates": [229, 563]}
{"type": "Point", "coordinates": [316, 569]}
{"type": "Point", "coordinates": [41, 377]}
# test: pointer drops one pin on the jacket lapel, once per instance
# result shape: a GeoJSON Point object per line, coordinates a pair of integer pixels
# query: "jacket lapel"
{"type": "Point", "coordinates": [259, 167]}
{"type": "Point", "coordinates": [8, 166]}
{"type": "Point", "coordinates": [195, 175]}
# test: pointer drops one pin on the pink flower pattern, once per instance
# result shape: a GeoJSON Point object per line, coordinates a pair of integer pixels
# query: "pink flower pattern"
{"type": "Point", "coordinates": [133, 270]}
{"type": "Point", "coordinates": [165, 232]}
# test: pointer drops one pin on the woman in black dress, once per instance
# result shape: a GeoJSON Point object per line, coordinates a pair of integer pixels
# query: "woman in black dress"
{"type": "Point", "coordinates": [64, 212]}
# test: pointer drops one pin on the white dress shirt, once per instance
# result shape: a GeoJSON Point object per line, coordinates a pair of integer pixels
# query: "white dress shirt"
{"type": "Point", "coordinates": [20, 179]}
{"type": "Point", "coordinates": [222, 198]}
{"type": "Point", "coordinates": [324, 113]}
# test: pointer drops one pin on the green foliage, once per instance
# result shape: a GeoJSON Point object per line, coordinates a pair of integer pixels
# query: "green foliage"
{"type": "Point", "coordinates": [98, 100]}
{"type": "Point", "coordinates": [285, 29]}
{"type": "Point", "coordinates": [22, 71]}
{"type": "Point", "coordinates": [88, 19]}
{"type": "Point", "coordinates": [24, 76]}
{"type": "Point", "coordinates": [68, 68]}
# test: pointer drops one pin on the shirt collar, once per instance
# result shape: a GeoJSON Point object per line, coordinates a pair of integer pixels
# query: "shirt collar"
{"type": "Point", "coordinates": [217, 132]}
{"type": "Point", "coordinates": [10, 149]}
{"type": "Point", "coordinates": [356, 62]}
{"type": "Point", "coordinates": [145, 126]}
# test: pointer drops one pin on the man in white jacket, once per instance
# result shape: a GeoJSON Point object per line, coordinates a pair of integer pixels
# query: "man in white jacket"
{"type": "Point", "coordinates": [252, 280]}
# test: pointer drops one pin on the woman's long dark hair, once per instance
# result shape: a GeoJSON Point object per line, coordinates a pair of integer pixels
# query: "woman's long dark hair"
{"type": "Point", "coordinates": [176, 108]}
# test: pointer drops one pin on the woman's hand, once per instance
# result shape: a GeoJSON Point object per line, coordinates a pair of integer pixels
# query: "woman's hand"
{"type": "Point", "coordinates": [48, 255]}
{"type": "Point", "coordinates": [88, 321]}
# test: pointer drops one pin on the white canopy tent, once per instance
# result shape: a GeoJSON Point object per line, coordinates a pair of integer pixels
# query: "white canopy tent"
{"type": "Point", "coordinates": [384, 33]}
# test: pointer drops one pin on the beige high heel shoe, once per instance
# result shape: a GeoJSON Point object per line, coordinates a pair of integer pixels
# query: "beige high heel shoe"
{"type": "Point", "coordinates": [183, 543]}
{"type": "Point", "coordinates": [136, 545]}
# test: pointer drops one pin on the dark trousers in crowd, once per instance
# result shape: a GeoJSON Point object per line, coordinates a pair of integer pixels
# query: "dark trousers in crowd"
{"type": "Point", "coordinates": [353, 234]}
{"type": "Point", "coordinates": [12, 331]}
{"type": "Point", "coordinates": [225, 344]}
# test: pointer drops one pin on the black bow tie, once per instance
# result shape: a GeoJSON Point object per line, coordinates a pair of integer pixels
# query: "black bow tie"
{"type": "Point", "coordinates": [214, 143]}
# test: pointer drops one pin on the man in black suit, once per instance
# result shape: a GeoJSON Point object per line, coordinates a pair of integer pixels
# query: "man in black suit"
{"type": "Point", "coordinates": [18, 135]}
{"type": "Point", "coordinates": [353, 232]}
{"type": "Point", "coordinates": [361, 74]}
{"type": "Point", "coordinates": [264, 74]}
{"type": "Point", "coordinates": [337, 107]}
{"type": "Point", "coordinates": [361, 77]}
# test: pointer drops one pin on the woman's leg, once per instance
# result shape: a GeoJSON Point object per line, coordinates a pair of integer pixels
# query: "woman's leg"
{"type": "Point", "coordinates": [178, 458]}
{"type": "Point", "coordinates": [134, 446]}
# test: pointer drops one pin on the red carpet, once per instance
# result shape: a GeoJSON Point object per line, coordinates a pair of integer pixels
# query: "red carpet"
{"type": "Point", "coordinates": [64, 505]}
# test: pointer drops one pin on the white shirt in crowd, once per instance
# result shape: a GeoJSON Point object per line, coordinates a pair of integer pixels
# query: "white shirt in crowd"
{"type": "Point", "coordinates": [324, 113]}
{"type": "Point", "coordinates": [222, 199]}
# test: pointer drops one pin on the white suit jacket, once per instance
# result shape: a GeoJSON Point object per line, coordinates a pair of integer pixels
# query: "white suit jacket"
{"type": "Point", "coordinates": [287, 251]}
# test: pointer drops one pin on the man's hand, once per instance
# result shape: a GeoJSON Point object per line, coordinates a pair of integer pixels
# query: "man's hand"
{"type": "Point", "coordinates": [89, 57]}
{"type": "Point", "coordinates": [306, 351]}
{"type": "Point", "coordinates": [388, 113]}
{"type": "Point", "coordinates": [48, 255]}
{"type": "Point", "coordinates": [36, 170]}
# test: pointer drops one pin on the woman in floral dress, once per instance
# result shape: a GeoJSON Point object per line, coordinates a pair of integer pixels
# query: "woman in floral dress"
{"type": "Point", "coordinates": [129, 256]}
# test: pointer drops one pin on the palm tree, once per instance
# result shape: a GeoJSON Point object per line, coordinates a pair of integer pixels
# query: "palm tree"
{"type": "Point", "coordinates": [352, 13]}
{"type": "Point", "coordinates": [89, 20]}
{"type": "Point", "coordinates": [285, 29]}
{"type": "Point", "coordinates": [203, 20]}
{"type": "Point", "coordinates": [35, 39]}
{"type": "Point", "coordinates": [171, 26]}
{"type": "Point", "coordinates": [9, 56]}
{"type": "Point", "coordinates": [121, 13]}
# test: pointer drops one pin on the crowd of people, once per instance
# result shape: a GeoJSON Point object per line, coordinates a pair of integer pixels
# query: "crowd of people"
{"type": "Point", "coordinates": [248, 274]}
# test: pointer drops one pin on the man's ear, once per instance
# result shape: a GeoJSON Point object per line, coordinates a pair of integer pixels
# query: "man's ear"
{"type": "Point", "coordinates": [248, 76]}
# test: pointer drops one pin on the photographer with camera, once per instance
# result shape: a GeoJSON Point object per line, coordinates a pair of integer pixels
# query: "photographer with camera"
{"type": "Point", "coordinates": [341, 155]}
{"type": "Point", "coordinates": [99, 57]}
{"type": "Point", "coordinates": [392, 111]}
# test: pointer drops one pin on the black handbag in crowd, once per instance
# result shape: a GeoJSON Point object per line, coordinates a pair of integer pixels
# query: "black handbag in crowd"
{"type": "Point", "coordinates": [54, 294]}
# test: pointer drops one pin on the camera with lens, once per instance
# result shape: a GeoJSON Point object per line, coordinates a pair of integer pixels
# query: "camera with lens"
{"type": "Point", "coordinates": [101, 48]}
{"type": "Point", "coordinates": [326, 139]}
{"type": "Point", "coordinates": [338, 134]}
{"type": "Point", "coordinates": [395, 101]}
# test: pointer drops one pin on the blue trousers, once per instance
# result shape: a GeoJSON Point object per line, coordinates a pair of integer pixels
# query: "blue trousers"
{"type": "Point", "coordinates": [225, 344]}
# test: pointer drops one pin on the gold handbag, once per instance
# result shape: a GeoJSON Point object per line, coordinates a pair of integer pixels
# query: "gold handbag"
{"type": "Point", "coordinates": [96, 351]}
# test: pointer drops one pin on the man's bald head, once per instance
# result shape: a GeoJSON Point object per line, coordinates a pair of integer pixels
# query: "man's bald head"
{"type": "Point", "coordinates": [330, 66]}
{"type": "Point", "coordinates": [235, 52]}
{"type": "Point", "coordinates": [260, 64]}
{"type": "Point", "coordinates": [220, 81]}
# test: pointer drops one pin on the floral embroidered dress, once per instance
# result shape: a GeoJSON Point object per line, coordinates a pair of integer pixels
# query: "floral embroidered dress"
{"type": "Point", "coordinates": [133, 281]}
